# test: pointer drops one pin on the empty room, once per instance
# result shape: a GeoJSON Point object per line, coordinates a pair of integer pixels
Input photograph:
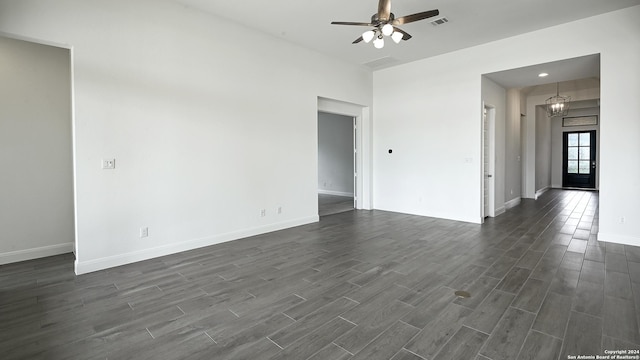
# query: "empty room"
{"type": "Point", "coordinates": [166, 168]}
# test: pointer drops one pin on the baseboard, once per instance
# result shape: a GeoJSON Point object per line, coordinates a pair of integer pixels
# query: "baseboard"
{"type": "Point", "coordinates": [619, 239]}
{"type": "Point", "coordinates": [499, 211]}
{"type": "Point", "coordinates": [541, 191]}
{"type": "Point", "coordinates": [473, 220]}
{"type": "Point", "coordinates": [512, 203]}
{"type": "Point", "coordinates": [336, 193]}
{"type": "Point", "coordinates": [83, 267]}
{"type": "Point", "coordinates": [35, 253]}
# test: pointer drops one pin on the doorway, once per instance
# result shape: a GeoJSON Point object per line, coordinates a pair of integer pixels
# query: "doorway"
{"type": "Point", "coordinates": [336, 163]}
{"type": "Point", "coordinates": [579, 159]}
{"type": "Point", "coordinates": [36, 151]}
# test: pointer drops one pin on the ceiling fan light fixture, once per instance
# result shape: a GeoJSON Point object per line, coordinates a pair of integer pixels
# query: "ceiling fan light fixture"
{"type": "Point", "coordinates": [383, 24]}
{"type": "Point", "coordinates": [387, 29]}
{"type": "Point", "coordinates": [397, 37]}
{"type": "Point", "coordinates": [378, 42]}
{"type": "Point", "coordinates": [367, 36]}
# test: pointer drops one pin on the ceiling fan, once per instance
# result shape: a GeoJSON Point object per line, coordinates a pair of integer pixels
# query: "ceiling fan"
{"type": "Point", "coordinates": [385, 23]}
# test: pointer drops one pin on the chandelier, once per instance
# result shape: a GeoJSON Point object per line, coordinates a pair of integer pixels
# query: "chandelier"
{"type": "Point", "coordinates": [558, 105]}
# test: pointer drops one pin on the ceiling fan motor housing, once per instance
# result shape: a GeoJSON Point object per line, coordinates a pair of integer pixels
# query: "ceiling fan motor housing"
{"type": "Point", "coordinates": [376, 21]}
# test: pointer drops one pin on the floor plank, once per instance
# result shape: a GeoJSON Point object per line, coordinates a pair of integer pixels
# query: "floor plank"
{"type": "Point", "coordinates": [388, 343]}
{"type": "Point", "coordinates": [553, 315]}
{"type": "Point", "coordinates": [433, 337]}
{"type": "Point", "coordinates": [465, 344]}
{"type": "Point", "coordinates": [509, 335]}
{"type": "Point", "coordinates": [489, 312]}
{"type": "Point", "coordinates": [539, 346]}
{"type": "Point", "coordinates": [531, 295]}
{"type": "Point", "coordinates": [583, 337]}
{"type": "Point", "coordinates": [316, 340]}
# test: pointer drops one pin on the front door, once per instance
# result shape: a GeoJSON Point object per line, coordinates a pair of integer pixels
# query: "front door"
{"type": "Point", "coordinates": [579, 159]}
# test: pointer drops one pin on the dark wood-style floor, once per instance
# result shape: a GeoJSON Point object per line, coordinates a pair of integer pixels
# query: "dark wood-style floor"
{"type": "Point", "coordinates": [357, 285]}
{"type": "Point", "coordinates": [332, 204]}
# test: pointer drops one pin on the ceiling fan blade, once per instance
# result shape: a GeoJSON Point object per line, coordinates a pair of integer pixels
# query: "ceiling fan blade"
{"type": "Point", "coordinates": [357, 40]}
{"type": "Point", "coordinates": [405, 35]}
{"type": "Point", "coordinates": [350, 23]}
{"type": "Point", "coordinates": [415, 17]}
{"type": "Point", "coordinates": [384, 9]}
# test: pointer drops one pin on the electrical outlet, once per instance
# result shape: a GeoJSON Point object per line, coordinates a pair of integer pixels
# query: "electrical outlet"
{"type": "Point", "coordinates": [622, 220]}
{"type": "Point", "coordinates": [279, 210]}
{"type": "Point", "coordinates": [263, 213]}
{"type": "Point", "coordinates": [108, 164]}
{"type": "Point", "coordinates": [144, 232]}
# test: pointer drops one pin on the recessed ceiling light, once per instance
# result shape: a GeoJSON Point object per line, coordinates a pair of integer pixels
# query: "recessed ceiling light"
{"type": "Point", "coordinates": [543, 75]}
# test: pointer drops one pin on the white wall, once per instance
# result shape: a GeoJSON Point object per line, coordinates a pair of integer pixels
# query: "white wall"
{"type": "Point", "coordinates": [431, 119]}
{"type": "Point", "coordinates": [557, 143]}
{"type": "Point", "coordinates": [36, 181]}
{"type": "Point", "coordinates": [538, 172]}
{"type": "Point", "coordinates": [335, 154]}
{"type": "Point", "coordinates": [496, 96]}
{"type": "Point", "coordinates": [513, 154]}
{"type": "Point", "coordinates": [543, 149]}
{"type": "Point", "coordinates": [206, 129]}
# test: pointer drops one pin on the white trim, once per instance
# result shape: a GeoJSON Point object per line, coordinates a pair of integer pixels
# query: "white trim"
{"type": "Point", "coordinates": [541, 191]}
{"type": "Point", "coordinates": [447, 216]}
{"type": "Point", "coordinates": [35, 253]}
{"type": "Point", "coordinates": [336, 193]}
{"type": "Point", "coordinates": [488, 125]}
{"type": "Point", "coordinates": [135, 256]}
{"type": "Point", "coordinates": [74, 147]}
{"type": "Point", "coordinates": [34, 40]}
{"type": "Point", "coordinates": [364, 162]}
{"type": "Point", "coordinates": [619, 239]}
{"type": "Point", "coordinates": [499, 211]}
{"type": "Point", "coordinates": [513, 203]}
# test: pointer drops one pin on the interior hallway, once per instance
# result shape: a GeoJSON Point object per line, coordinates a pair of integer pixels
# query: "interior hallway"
{"type": "Point", "coordinates": [356, 285]}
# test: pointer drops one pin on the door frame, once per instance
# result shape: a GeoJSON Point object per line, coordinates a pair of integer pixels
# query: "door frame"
{"type": "Point", "coordinates": [363, 140]}
{"type": "Point", "coordinates": [491, 157]}
{"type": "Point", "coordinates": [74, 160]}
{"type": "Point", "coordinates": [354, 152]}
{"type": "Point", "coordinates": [593, 134]}
{"type": "Point", "coordinates": [354, 132]}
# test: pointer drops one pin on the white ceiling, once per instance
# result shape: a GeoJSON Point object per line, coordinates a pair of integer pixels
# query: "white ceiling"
{"type": "Point", "coordinates": [471, 22]}
{"type": "Point", "coordinates": [583, 67]}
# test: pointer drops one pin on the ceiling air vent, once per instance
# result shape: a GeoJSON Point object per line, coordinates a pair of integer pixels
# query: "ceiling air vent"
{"type": "Point", "coordinates": [440, 21]}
